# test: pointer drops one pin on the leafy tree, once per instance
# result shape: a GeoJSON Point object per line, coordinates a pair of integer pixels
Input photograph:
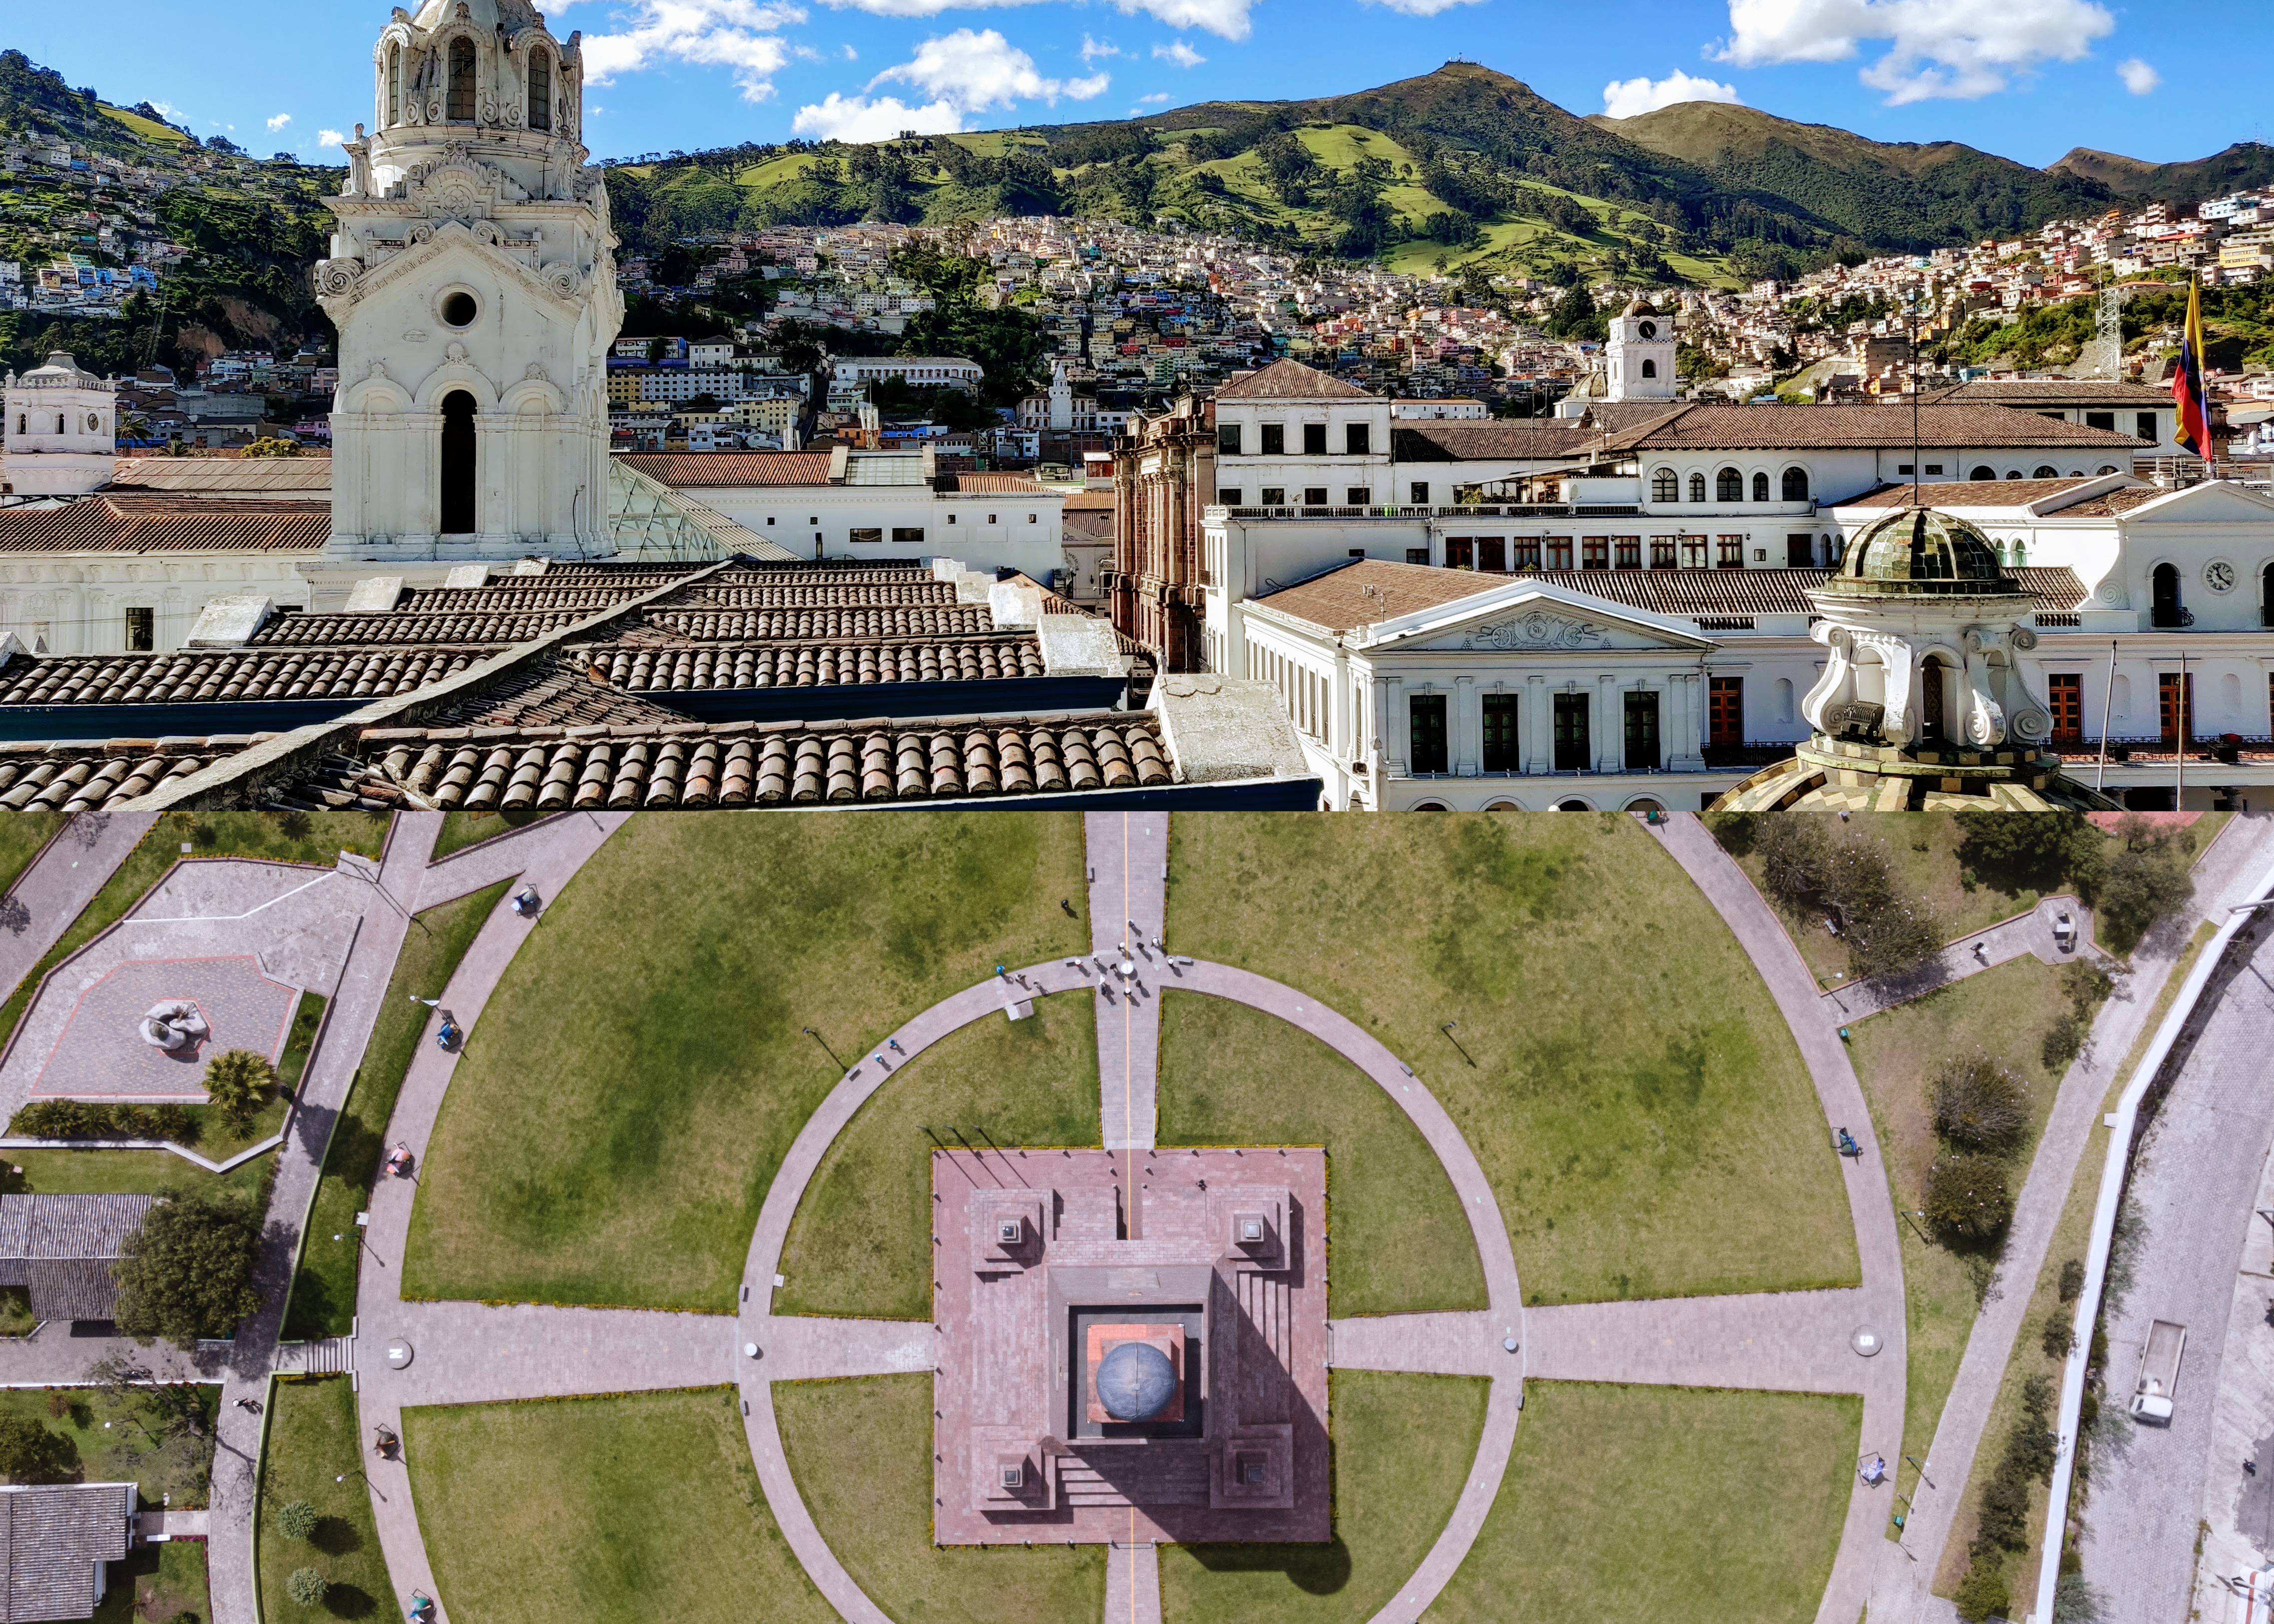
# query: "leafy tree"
{"type": "Point", "coordinates": [2145, 880]}
{"type": "Point", "coordinates": [1983, 1594]}
{"type": "Point", "coordinates": [1979, 1103]}
{"type": "Point", "coordinates": [31, 1453]}
{"type": "Point", "coordinates": [187, 1272]}
{"type": "Point", "coordinates": [1575, 315]}
{"type": "Point", "coordinates": [2032, 844]}
{"type": "Point", "coordinates": [238, 1080]}
{"type": "Point", "coordinates": [296, 1519]}
{"type": "Point", "coordinates": [307, 1587]}
{"type": "Point", "coordinates": [1967, 1197]}
{"type": "Point", "coordinates": [2060, 1336]}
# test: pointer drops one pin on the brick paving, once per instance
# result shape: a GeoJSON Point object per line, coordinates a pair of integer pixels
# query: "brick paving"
{"type": "Point", "coordinates": [1791, 1341]}
{"type": "Point", "coordinates": [100, 1054]}
{"type": "Point", "coordinates": [478, 1353]}
{"type": "Point", "coordinates": [1866, 1566]}
{"type": "Point", "coordinates": [1128, 856]}
{"type": "Point", "coordinates": [2238, 1502]}
{"type": "Point", "coordinates": [1133, 1582]}
{"type": "Point", "coordinates": [1446, 1344]}
{"type": "Point", "coordinates": [60, 882]}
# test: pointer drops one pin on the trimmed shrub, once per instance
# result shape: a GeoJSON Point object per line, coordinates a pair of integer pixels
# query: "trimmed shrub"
{"type": "Point", "coordinates": [2059, 1338]}
{"type": "Point", "coordinates": [1979, 1103]}
{"type": "Point", "coordinates": [1983, 1592]}
{"type": "Point", "coordinates": [2072, 1280]}
{"type": "Point", "coordinates": [296, 1519]}
{"type": "Point", "coordinates": [307, 1587]}
{"type": "Point", "coordinates": [1967, 1197]}
{"type": "Point", "coordinates": [31, 1453]}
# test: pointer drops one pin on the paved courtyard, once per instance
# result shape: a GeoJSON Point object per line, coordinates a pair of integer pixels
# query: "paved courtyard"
{"type": "Point", "coordinates": [100, 1054]}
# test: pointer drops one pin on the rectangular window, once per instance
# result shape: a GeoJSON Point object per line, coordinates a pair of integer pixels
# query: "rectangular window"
{"type": "Point", "coordinates": [1229, 497]}
{"type": "Point", "coordinates": [141, 630]}
{"type": "Point", "coordinates": [1274, 496]}
{"type": "Point", "coordinates": [857, 536]}
{"type": "Point", "coordinates": [1571, 755]}
{"type": "Point", "coordinates": [1527, 551]}
{"type": "Point", "coordinates": [908, 536]}
{"type": "Point", "coordinates": [1416, 556]}
{"type": "Point", "coordinates": [1729, 551]}
{"type": "Point", "coordinates": [2168, 707]}
{"type": "Point", "coordinates": [1358, 439]}
{"type": "Point", "coordinates": [1275, 438]}
{"type": "Point", "coordinates": [1418, 493]}
{"type": "Point", "coordinates": [1693, 553]}
{"type": "Point", "coordinates": [1594, 552]}
{"type": "Point", "coordinates": [1663, 552]}
{"type": "Point", "coordinates": [1227, 439]}
{"type": "Point", "coordinates": [1559, 552]}
{"type": "Point", "coordinates": [1359, 496]}
{"type": "Point", "coordinates": [2100, 420]}
{"type": "Point", "coordinates": [1460, 552]}
{"type": "Point", "coordinates": [1428, 732]}
{"type": "Point", "coordinates": [540, 92]}
{"type": "Point", "coordinates": [1492, 555]}
{"type": "Point", "coordinates": [2064, 692]}
{"type": "Point", "coordinates": [1725, 710]}
{"type": "Point", "coordinates": [1315, 496]}
{"type": "Point", "coordinates": [1314, 439]}
{"type": "Point", "coordinates": [1500, 732]}
{"type": "Point", "coordinates": [2146, 426]}
{"type": "Point", "coordinates": [1642, 733]}
{"type": "Point", "coordinates": [1799, 552]}
{"type": "Point", "coordinates": [1626, 552]}
{"type": "Point", "coordinates": [1934, 468]}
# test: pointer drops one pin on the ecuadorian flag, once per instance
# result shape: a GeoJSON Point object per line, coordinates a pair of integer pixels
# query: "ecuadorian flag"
{"type": "Point", "coordinates": [2187, 381]}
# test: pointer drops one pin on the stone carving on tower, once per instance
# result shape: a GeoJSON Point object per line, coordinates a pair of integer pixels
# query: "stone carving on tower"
{"type": "Point", "coordinates": [472, 280]}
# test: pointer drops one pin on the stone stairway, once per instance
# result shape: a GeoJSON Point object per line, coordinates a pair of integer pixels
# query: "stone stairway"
{"type": "Point", "coordinates": [1148, 1477]}
{"type": "Point", "coordinates": [335, 1356]}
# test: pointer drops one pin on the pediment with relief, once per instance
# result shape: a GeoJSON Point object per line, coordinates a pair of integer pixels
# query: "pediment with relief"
{"type": "Point", "coordinates": [1539, 628]}
{"type": "Point", "coordinates": [2204, 504]}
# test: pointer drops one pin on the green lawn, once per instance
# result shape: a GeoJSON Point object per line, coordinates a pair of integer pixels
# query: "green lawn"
{"type": "Point", "coordinates": [123, 1172]}
{"type": "Point", "coordinates": [1631, 1076]}
{"type": "Point", "coordinates": [324, 1287]}
{"type": "Point", "coordinates": [23, 835]}
{"type": "Point", "coordinates": [157, 1583]}
{"type": "Point", "coordinates": [877, 1519]}
{"type": "Point", "coordinates": [1397, 1239]}
{"type": "Point", "coordinates": [2005, 1012]}
{"type": "Point", "coordinates": [461, 830]}
{"type": "Point", "coordinates": [641, 1069]}
{"type": "Point", "coordinates": [860, 1245]}
{"type": "Point", "coordinates": [115, 1442]}
{"type": "Point", "coordinates": [1402, 1445]}
{"type": "Point", "coordinates": [208, 834]}
{"type": "Point", "coordinates": [314, 1437]}
{"type": "Point", "coordinates": [640, 1507]}
{"type": "Point", "coordinates": [1707, 1505]}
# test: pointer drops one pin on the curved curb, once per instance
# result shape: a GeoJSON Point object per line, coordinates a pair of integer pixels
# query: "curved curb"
{"type": "Point", "coordinates": [758, 1326]}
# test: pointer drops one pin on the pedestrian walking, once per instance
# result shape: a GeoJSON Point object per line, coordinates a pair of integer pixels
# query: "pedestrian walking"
{"type": "Point", "coordinates": [895, 1045]}
{"type": "Point", "coordinates": [1067, 905]}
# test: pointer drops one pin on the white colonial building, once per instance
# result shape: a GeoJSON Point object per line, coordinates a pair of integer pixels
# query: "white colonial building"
{"type": "Point", "coordinates": [61, 430]}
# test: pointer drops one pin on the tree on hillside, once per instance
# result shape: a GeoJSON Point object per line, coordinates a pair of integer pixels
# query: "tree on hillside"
{"type": "Point", "coordinates": [187, 1272]}
{"type": "Point", "coordinates": [1575, 315]}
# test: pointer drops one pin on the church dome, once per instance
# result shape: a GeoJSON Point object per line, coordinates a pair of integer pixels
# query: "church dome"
{"type": "Point", "coordinates": [1135, 1381]}
{"type": "Point", "coordinates": [512, 15]}
{"type": "Point", "coordinates": [1921, 550]}
{"type": "Point", "coordinates": [1641, 307]}
{"type": "Point", "coordinates": [62, 372]}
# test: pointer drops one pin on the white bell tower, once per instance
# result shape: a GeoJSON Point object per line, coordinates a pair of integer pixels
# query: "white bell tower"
{"type": "Point", "coordinates": [63, 431]}
{"type": "Point", "coordinates": [1641, 354]}
{"type": "Point", "coordinates": [472, 279]}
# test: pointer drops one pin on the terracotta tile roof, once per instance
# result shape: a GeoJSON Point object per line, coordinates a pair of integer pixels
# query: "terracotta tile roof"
{"type": "Point", "coordinates": [280, 477]}
{"type": "Point", "coordinates": [1368, 591]}
{"type": "Point", "coordinates": [1291, 380]}
{"type": "Point", "coordinates": [1089, 501]}
{"type": "Point", "coordinates": [1534, 438]}
{"type": "Point", "coordinates": [2114, 503]}
{"type": "Point", "coordinates": [695, 470]}
{"type": "Point", "coordinates": [824, 665]}
{"type": "Point", "coordinates": [538, 594]}
{"type": "Point", "coordinates": [1822, 428]}
{"type": "Point", "coordinates": [492, 628]}
{"type": "Point", "coordinates": [54, 1539]}
{"type": "Point", "coordinates": [1966, 493]}
{"type": "Point", "coordinates": [200, 676]}
{"type": "Point", "coordinates": [2049, 392]}
{"type": "Point", "coordinates": [744, 764]}
{"type": "Point", "coordinates": [732, 621]}
{"type": "Point", "coordinates": [132, 521]}
{"type": "Point", "coordinates": [2057, 590]}
{"type": "Point", "coordinates": [992, 484]}
{"type": "Point", "coordinates": [72, 777]}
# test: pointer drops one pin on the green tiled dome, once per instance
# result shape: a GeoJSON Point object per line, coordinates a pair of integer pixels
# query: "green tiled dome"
{"type": "Point", "coordinates": [1921, 550]}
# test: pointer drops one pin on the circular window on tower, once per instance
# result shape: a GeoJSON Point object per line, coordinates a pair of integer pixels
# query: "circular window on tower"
{"type": "Point", "coordinates": [459, 309]}
{"type": "Point", "coordinates": [1648, 329]}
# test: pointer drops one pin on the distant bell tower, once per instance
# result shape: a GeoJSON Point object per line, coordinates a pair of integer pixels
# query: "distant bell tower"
{"type": "Point", "coordinates": [472, 279]}
{"type": "Point", "coordinates": [1641, 354]}
{"type": "Point", "coordinates": [62, 430]}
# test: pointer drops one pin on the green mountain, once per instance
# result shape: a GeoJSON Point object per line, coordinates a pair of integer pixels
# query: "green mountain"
{"type": "Point", "coordinates": [2243, 167]}
{"type": "Point", "coordinates": [253, 228]}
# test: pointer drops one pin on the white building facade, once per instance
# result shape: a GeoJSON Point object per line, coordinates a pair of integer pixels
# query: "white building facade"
{"type": "Point", "coordinates": [61, 430]}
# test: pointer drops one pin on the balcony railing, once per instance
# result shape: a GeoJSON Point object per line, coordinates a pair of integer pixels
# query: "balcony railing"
{"type": "Point", "coordinates": [1537, 511]}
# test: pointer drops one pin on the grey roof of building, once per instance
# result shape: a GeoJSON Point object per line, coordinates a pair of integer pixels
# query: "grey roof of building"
{"type": "Point", "coordinates": [53, 1540]}
{"type": "Point", "coordinates": [60, 1248]}
{"type": "Point", "coordinates": [2045, 392]}
{"type": "Point", "coordinates": [1521, 439]}
{"type": "Point", "coordinates": [1860, 428]}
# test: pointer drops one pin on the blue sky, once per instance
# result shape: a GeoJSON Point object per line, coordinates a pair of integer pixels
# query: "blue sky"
{"type": "Point", "coordinates": [2027, 79]}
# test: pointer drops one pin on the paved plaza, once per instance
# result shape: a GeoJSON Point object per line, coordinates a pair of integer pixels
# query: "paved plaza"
{"type": "Point", "coordinates": [100, 1054]}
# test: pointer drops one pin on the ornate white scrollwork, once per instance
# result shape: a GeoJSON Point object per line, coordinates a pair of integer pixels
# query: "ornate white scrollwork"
{"type": "Point", "coordinates": [1538, 629]}
{"type": "Point", "coordinates": [563, 278]}
{"type": "Point", "coordinates": [456, 351]}
{"type": "Point", "coordinates": [2023, 638]}
{"type": "Point", "coordinates": [536, 373]}
{"type": "Point", "coordinates": [337, 278]}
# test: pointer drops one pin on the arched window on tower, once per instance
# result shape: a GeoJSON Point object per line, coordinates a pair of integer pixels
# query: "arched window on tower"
{"type": "Point", "coordinates": [459, 462]}
{"type": "Point", "coordinates": [540, 92]}
{"type": "Point", "coordinates": [461, 109]}
{"type": "Point", "coordinates": [394, 85]}
{"type": "Point", "coordinates": [1666, 486]}
{"type": "Point", "coordinates": [1649, 368]}
{"type": "Point", "coordinates": [1760, 487]}
{"type": "Point", "coordinates": [1796, 485]}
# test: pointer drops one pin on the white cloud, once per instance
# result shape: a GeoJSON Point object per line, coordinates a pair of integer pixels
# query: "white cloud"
{"type": "Point", "coordinates": [1421, 8]}
{"type": "Point", "coordinates": [741, 34]}
{"type": "Point", "coordinates": [1183, 55]}
{"type": "Point", "coordinates": [920, 8]}
{"type": "Point", "coordinates": [1227, 18]}
{"type": "Point", "coordinates": [1094, 50]}
{"type": "Point", "coordinates": [1936, 47]}
{"type": "Point", "coordinates": [2138, 77]}
{"type": "Point", "coordinates": [329, 137]}
{"type": "Point", "coordinates": [972, 69]}
{"type": "Point", "coordinates": [857, 118]}
{"type": "Point", "coordinates": [1159, 98]}
{"type": "Point", "coordinates": [279, 122]}
{"type": "Point", "coordinates": [1625, 98]}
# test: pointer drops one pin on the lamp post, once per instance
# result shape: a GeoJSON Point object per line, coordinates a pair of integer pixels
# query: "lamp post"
{"type": "Point", "coordinates": [825, 1049]}
{"type": "Point", "coordinates": [1447, 1028]}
